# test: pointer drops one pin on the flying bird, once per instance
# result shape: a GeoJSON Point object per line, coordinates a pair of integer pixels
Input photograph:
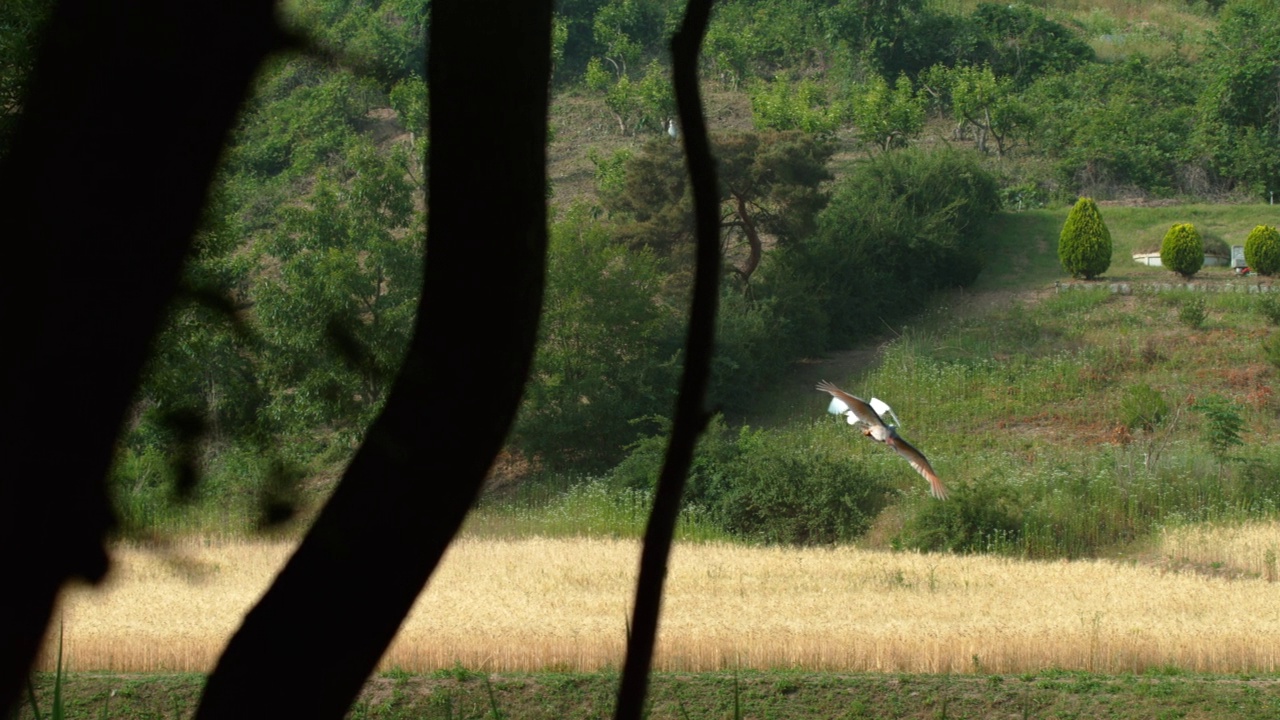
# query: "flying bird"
{"type": "Point", "coordinates": [869, 415]}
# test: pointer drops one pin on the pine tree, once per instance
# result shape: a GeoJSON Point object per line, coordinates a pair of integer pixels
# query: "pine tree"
{"type": "Point", "coordinates": [1084, 248]}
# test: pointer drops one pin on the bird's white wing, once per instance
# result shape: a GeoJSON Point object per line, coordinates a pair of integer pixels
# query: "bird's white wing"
{"type": "Point", "coordinates": [860, 409]}
{"type": "Point", "coordinates": [837, 406]}
{"type": "Point", "coordinates": [881, 407]}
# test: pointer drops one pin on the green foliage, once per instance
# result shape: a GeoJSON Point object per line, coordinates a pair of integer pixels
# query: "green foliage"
{"type": "Point", "coordinates": [1084, 247]}
{"type": "Point", "coordinates": [611, 172]}
{"type": "Point", "coordinates": [339, 308]}
{"type": "Point", "coordinates": [770, 486]}
{"type": "Point", "coordinates": [1271, 349]}
{"type": "Point", "coordinates": [1182, 250]}
{"type": "Point", "coordinates": [1239, 105]}
{"type": "Point", "coordinates": [607, 350]}
{"type": "Point", "coordinates": [1192, 312]}
{"type": "Point", "coordinates": [1110, 127]}
{"type": "Point", "coordinates": [983, 516]}
{"type": "Point", "coordinates": [982, 101]}
{"type": "Point", "coordinates": [786, 105]}
{"type": "Point", "coordinates": [888, 117]}
{"type": "Point", "coordinates": [1262, 250]}
{"type": "Point", "coordinates": [1223, 424]}
{"type": "Point", "coordinates": [1268, 306]}
{"type": "Point", "coordinates": [1143, 407]}
{"type": "Point", "coordinates": [898, 227]}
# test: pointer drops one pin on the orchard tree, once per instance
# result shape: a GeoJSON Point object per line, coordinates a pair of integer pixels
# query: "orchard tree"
{"type": "Point", "coordinates": [1182, 250]}
{"type": "Point", "coordinates": [1262, 250]}
{"type": "Point", "coordinates": [1084, 247]}
{"type": "Point", "coordinates": [981, 100]}
{"type": "Point", "coordinates": [887, 117]}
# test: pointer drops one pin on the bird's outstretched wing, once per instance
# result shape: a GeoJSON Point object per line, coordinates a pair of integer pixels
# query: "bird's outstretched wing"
{"type": "Point", "coordinates": [922, 466]}
{"type": "Point", "coordinates": [861, 410]}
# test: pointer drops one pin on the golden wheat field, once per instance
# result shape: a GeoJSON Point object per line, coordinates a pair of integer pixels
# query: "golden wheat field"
{"type": "Point", "coordinates": [532, 604]}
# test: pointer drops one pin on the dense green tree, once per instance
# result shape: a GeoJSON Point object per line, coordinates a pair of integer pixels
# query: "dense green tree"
{"type": "Point", "coordinates": [981, 101]}
{"type": "Point", "coordinates": [782, 104]}
{"type": "Point", "coordinates": [769, 186]}
{"type": "Point", "coordinates": [760, 38]}
{"type": "Point", "coordinates": [887, 117]}
{"type": "Point", "coordinates": [1262, 250]}
{"type": "Point", "coordinates": [1124, 124]}
{"type": "Point", "coordinates": [1239, 125]}
{"type": "Point", "coordinates": [607, 351]}
{"type": "Point", "coordinates": [1182, 250]}
{"type": "Point", "coordinates": [1084, 247]}
{"type": "Point", "coordinates": [1019, 43]}
{"type": "Point", "coordinates": [904, 224]}
{"type": "Point", "coordinates": [337, 296]}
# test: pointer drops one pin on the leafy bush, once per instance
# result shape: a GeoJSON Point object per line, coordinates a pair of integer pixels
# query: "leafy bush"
{"type": "Point", "coordinates": [1269, 307]}
{"type": "Point", "coordinates": [1143, 407]}
{"type": "Point", "coordinates": [1182, 250]}
{"type": "Point", "coordinates": [1271, 348]}
{"type": "Point", "coordinates": [1084, 247]}
{"type": "Point", "coordinates": [903, 224]}
{"type": "Point", "coordinates": [982, 516]}
{"type": "Point", "coordinates": [1262, 250]}
{"type": "Point", "coordinates": [1223, 424]}
{"type": "Point", "coordinates": [1192, 312]}
{"type": "Point", "coordinates": [769, 486]}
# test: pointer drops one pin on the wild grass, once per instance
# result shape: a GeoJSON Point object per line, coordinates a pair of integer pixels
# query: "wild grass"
{"type": "Point", "coordinates": [584, 508]}
{"type": "Point", "coordinates": [1023, 409]}
{"type": "Point", "coordinates": [1250, 548]}
{"type": "Point", "coordinates": [561, 604]}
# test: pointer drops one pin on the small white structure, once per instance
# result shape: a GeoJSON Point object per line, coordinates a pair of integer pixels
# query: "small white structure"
{"type": "Point", "coordinates": [1153, 259]}
{"type": "Point", "coordinates": [1237, 256]}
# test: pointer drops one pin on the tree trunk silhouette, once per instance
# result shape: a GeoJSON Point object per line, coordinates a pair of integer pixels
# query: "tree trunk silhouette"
{"type": "Point", "coordinates": [691, 415]}
{"type": "Point", "coordinates": [99, 195]}
{"type": "Point", "coordinates": [338, 603]}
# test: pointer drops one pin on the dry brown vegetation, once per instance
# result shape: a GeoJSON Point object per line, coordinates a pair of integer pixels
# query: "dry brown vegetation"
{"type": "Point", "coordinates": [562, 604]}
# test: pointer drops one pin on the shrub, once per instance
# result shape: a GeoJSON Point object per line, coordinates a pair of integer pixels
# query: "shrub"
{"type": "Point", "coordinates": [1143, 407]}
{"type": "Point", "coordinates": [1271, 348]}
{"type": "Point", "coordinates": [769, 486]}
{"type": "Point", "coordinates": [1223, 424]}
{"type": "Point", "coordinates": [984, 516]}
{"type": "Point", "coordinates": [1192, 312]}
{"type": "Point", "coordinates": [1262, 250]}
{"type": "Point", "coordinates": [1084, 247]}
{"type": "Point", "coordinates": [1269, 307]}
{"type": "Point", "coordinates": [1182, 250]}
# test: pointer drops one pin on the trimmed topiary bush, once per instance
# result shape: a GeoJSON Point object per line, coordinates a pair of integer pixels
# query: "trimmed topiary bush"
{"type": "Point", "coordinates": [1084, 248]}
{"type": "Point", "coordinates": [1262, 250]}
{"type": "Point", "coordinates": [1182, 250]}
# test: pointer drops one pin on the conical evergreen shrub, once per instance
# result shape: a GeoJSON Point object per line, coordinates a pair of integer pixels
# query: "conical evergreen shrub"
{"type": "Point", "coordinates": [1262, 250]}
{"type": "Point", "coordinates": [1084, 248]}
{"type": "Point", "coordinates": [1182, 250]}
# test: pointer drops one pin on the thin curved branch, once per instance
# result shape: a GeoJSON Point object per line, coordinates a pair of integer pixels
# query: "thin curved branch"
{"type": "Point", "coordinates": [691, 416]}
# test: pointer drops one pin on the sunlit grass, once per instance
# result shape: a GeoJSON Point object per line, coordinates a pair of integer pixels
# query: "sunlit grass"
{"type": "Point", "coordinates": [562, 604]}
{"type": "Point", "coordinates": [587, 508]}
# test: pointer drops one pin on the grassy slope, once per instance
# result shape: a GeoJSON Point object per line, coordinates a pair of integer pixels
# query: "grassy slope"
{"type": "Point", "coordinates": [794, 695]}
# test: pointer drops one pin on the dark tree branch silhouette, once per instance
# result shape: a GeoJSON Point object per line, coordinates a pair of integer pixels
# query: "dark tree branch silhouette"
{"type": "Point", "coordinates": [691, 415]}
{"type": "Point", "coordinates": [339, 601]}
{"type": "Point", "coordinates": [100, 194]}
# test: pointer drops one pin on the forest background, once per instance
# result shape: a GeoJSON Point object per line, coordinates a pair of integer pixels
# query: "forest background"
{"type": "Point", "coordinates": [864, 140]}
